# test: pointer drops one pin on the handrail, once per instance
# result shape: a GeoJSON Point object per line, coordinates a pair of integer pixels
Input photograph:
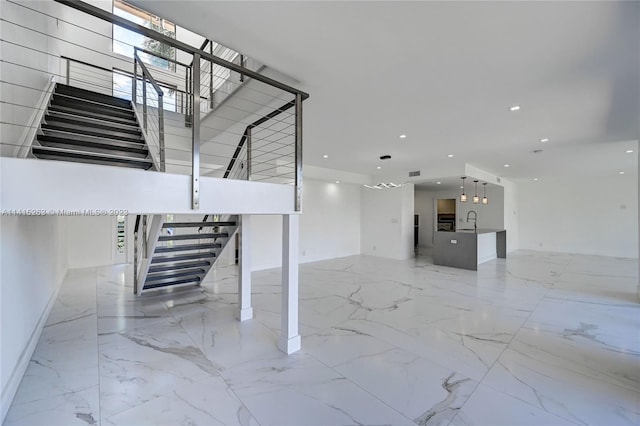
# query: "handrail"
{"type": "Point", "coordinates": [146, 76]}
{"type": "Point", "coordinates": [125, 23]}
{"type": "Point", "coordinates": [85, 63]}
{"type": "Point", "coordinates": [246, 133]}
{"type": "Point", "coordinates": [145, 70]}
{"type": "Point", "coordinates": [149, 52]}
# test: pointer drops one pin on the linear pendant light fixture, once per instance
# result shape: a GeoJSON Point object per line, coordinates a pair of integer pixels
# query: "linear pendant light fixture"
{"type": "Point", "coordinates": [485, 200]}
{"type": "Point", "coordinates": [476, 199]}
{"type": "Point", "coordinates": [463, 196]}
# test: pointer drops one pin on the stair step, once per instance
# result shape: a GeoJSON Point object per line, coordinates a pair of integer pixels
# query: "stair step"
{"type": "Point", "coordinates": [79, 143]}
{"type": "Point", "coordinates": [99, 133]}
{"type": "Point", "coordinates": [59, 154]}
{"type": "Point", "coordinates": [173, 266]}
{"type": "Point", "coordinates": [79, 112]}
{"type": "Point", "coordinates": [191, 280]}
{"type": "Point", "coordinates": [187, 247]}
{"type": "Point", "coordinates": [175, 274]}
{"type": "Point", "coordinates": [86, 122]}
{"type": "Point", "coordinates": [192, 237]}
{"type": "Point", "coordinates": [181, 257]}
{"type": "Point", "coordinates": [196, 224]}
{"type": "Point", "coordinates": [88, 94]}
{"type": "Point", "coordinates": [87, 105]}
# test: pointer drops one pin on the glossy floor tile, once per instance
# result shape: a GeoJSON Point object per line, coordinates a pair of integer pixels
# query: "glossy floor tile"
{"type": "Point", "coordinates": [536, 339]}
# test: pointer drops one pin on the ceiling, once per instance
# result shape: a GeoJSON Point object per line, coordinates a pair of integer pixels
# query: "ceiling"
{"type": "Point", "coordinates": [445, 75]}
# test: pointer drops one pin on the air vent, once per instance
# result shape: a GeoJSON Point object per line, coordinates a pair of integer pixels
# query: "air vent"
{"type": "Point", "coordinates": [414, 174]}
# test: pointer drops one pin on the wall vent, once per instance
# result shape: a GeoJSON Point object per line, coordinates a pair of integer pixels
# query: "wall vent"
{"type": "Point", "coordinates": [414, 174]}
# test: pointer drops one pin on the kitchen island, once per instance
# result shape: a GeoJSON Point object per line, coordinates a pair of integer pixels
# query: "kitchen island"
{"type": "Point", "coordinates": [468, 248]}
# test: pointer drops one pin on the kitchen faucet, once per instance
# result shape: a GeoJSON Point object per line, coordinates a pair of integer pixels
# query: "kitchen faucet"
{"type": "Point", "coordinates": [475, 219]}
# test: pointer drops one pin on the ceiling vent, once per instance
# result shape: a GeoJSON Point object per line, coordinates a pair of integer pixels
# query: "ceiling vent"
{"type": "Point", "coordinates": [414, 174]}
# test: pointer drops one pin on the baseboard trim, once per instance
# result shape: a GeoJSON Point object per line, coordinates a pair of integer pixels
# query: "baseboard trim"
{"type": "Point", "coordinates": [9, 391]}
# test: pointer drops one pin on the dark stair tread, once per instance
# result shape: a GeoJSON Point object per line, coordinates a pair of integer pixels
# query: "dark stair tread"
{"type": "Point", "coordinates": [175, 274]}
{"type": "Point", "coordinates": [192, 237]}
{"type": "Point", "coordinates": [181, 257]}
{"type": "Point", "coordinates": [174, 266]}
{"type": "Point", "coordinates": [79, 141]}
{"type": "Point", "coordinates": [84, 93]}
{"type": "Point", "coordinates": [49, 153]}
{"type": "Point", "coordinates": [98, 133]}
{"type": "Point", "coordinates": [80, 112]}
{"type": "Point", "coordinates": [188, 247]}
{"type": "Point", "coordinates": [196, 224]}
{"type": "Point", "coordinates": [194, 280]}
{"type": "Point", "coordinates": [84, 104]}
{"type": "Point", "coordinates": [91, 123]}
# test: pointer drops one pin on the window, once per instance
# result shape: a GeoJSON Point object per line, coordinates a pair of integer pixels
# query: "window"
{"type": "Point", "coordinates": [124, 40]}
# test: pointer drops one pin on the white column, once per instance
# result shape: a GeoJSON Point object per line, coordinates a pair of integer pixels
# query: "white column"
{"type": "Point", "coordinates": [245, 311]}
{"type": "Point", "coordinates": [289, 337]}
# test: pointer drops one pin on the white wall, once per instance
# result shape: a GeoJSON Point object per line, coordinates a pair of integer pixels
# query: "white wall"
{"type": "Point", "coordinates": [387, 222]}
{"type": "Point", "coordinates": [91, 241]}
{"type": "Point", "coordinates": [584, 216]}
{"type": "Point", "coordinates": [33, 258]}
{"type": "Point", "coordinates": [329, 226]}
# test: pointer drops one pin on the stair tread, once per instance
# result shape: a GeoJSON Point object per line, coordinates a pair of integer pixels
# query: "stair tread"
{"type": "Point", "coordinates": [174, 266]}
{"type": "Point", "coordinates": [196, 224]}
{"type": "Point", "coordinates": [188, 247]}
{"type": "Point", "coordinates": [194, 280]}
{"type": "Point", "coordinates": [181, 257]}
{"type": "Point", "coordinates": [96, 115]}
{"type": "Point", "coordinates": [94, 132]}
{"type": "Point", "coordinates": [79, 140]}
{"type": "Point", "coordinates": [79, 99]}
{"type": "Point", "coordinates": [84, 104]}
{"type": "Point", "coordinates": [89, 155]}
{"type": "Point", "coordinates": [192, 237]}
{"type": "Point", "coordinates": [175, 274]}
{"type": "Point", "coordinates": [61, 117]}
{"type": "Point", "coordinates": [64, 88]}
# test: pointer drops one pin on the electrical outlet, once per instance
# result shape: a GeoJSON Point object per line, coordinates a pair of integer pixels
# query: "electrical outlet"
{"type": "Point", "coordinates": [304, 252]}
{"type": "Point", "coordinates": [454, 241]}
{"type": "Point", "coordinates": [374, 248]}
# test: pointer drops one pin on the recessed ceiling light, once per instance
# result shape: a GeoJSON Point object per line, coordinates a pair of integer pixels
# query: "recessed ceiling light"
{"type": "Point", "coordinates": [379, 167]}
{"type": "Point", "coordinates": [450, 155]}
{"type": "Point", "coordinates": [325, 156]}
{"type": "Point", "coordinates": [337, 181]}
{"type": "Point", "coordinates": [438, 183]}
{"type": "Point", "coordinates": [535, 178]}
{"type": "Point", "coordinates": [403, 136]}
{"type": "Point", "coordinates": [621, 173]}
{"type": "Point", "coordinates": [629, 151]}
{"type": "Point", "coordinates": [514, 108]}
{"type": "Point", "coordinates": [543, 140]}
{"type": "Point", "coordinates": [462, 187]}
{"type": "Point", "coordinates": [506, 165]}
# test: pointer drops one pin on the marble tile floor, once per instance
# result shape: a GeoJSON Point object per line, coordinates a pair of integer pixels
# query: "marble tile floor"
{"type": "Point", "coordinates": [536, 339]}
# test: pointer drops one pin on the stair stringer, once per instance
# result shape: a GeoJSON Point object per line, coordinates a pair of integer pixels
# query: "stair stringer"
{"type": "Point", "coordinates": [152, 241]}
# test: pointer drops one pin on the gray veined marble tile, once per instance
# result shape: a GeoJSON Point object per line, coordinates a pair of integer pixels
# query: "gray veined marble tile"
{"type": "Point", "coordinates": [80, 408]}
{"type": "Point", "coordinates": [139, 365]}
{"type": "Point", "coordinates": [417, 387]}
{"type": "Point", "coordinates": [299, 390]}
{"type": "Point", "coordinates": [573, 396]}
{"type": "Point", "coordinates": [488, 407]}
{"type": "Point", "coordinates": [205, 403]}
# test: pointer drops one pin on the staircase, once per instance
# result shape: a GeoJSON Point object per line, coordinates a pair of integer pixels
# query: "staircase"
{"type": "Point", "coordinates": [88, 127]}
{"type": "Point", "coordinates": [182, 253]}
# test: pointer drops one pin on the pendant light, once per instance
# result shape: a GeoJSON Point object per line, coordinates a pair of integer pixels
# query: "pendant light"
{"type": "Point", "coordinates": [463, 197]}
{"type": "Point", "coordinates": [476, 199]}
{"type": "Point", "coordinates": [485, 200]}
